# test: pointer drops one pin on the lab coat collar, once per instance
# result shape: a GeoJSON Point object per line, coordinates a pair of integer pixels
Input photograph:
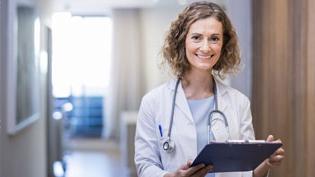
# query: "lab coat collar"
{"type": "Point", "coordinates": [182, 103]}
{"type": "Point", "coordinates": [221, 91]}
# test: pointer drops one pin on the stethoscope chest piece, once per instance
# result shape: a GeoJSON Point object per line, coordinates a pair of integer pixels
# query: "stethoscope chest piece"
{"type": "Point", "coordinates": [168, 145]}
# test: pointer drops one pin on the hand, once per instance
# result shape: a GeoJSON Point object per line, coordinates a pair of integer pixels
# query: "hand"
{"type": "Point", "coordinates": [276, 158]}
{"type": "Point", "coordinates": [186, 171]}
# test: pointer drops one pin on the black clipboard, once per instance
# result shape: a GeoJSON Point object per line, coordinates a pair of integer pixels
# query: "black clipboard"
{"type": "Point", "coordinates": [232, 157]}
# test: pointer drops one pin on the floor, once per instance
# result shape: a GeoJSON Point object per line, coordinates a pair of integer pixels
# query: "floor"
{"type": "Point", "coordinates": [93, 164]}
{"type": "Point", "coordinates": [93, 158]}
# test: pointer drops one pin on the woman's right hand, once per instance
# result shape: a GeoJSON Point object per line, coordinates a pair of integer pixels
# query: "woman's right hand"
{"type": "Point", "coordinates": [186, 171]}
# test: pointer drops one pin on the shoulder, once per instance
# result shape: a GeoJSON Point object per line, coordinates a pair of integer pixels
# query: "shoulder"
{"type": "Point", "coordinates": [158, 93]}
{"type": "Point", "coordinates": [152, 102]}
{"type": "Point", "coordinates": [233, 94]}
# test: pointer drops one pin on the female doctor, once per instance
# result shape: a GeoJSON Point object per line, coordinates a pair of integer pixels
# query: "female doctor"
{"type": "Point", "coordinates": [172, 127]}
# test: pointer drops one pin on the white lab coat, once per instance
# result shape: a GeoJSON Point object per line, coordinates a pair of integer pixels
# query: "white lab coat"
{"type": "Point", "coordinates": [150, 158]}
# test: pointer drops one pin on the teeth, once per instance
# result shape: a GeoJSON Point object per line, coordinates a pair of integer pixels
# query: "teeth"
{"type": "Point", "coordinates": [205, 57]}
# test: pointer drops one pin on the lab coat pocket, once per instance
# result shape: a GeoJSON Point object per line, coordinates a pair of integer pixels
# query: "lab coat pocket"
{"type": "Point", "coordinates": [162, 133]}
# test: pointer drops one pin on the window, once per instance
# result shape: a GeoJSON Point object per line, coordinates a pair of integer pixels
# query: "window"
{"type": "Point", "coordinates": [81, 54]}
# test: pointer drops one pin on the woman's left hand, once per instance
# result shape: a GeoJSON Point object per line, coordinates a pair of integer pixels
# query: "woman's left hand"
{"type": "Point", "coordinates": [276, 158]}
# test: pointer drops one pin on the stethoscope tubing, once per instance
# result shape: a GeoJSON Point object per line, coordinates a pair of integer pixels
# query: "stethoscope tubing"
{"type": "Point", "coordinates": [173, 110]}
{"type": "Point", "coordinates": [169, 145]}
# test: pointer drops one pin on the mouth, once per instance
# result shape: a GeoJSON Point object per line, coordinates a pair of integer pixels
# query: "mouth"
{"type": "Point", "coordinates": [205, 57]}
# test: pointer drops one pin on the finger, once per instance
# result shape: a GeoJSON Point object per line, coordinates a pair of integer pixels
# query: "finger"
{"type": "Point", "coordinates": [190, 171]}
{"type": "Point", "coordinates": [277, 158]}
{"type": "Point", "coordinates": [269, 138]}
{"type": "Point", "coordinates": [183, 167]}
{"type": "Point", "coordinates": [189, 162]}
{"type": "Point", "coordinates": [267, 161]}
{"type": "Point", "coordinates": [210, 168]}
{"type": "Point", "coordinates": [274, 164]}
{"type": "Point", "coordinates": [186, 166]}
{"type": "Point", "coordinates": [202, 172]}
{"type": "Point", "coordinates": [280, 151]}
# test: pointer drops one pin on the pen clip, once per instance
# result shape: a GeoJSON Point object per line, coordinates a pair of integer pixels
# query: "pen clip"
{"type": "Point", "coordinates": [161, 131]}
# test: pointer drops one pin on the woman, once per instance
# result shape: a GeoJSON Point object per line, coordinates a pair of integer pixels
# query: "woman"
{"type": "Point", "coordinates": [200, 47]}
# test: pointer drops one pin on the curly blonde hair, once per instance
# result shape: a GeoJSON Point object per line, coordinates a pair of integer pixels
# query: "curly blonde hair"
{"type": "Point", "coordinates": [173, 50]}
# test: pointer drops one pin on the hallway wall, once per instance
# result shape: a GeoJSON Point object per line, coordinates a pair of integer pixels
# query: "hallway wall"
{"type": "Point", "coordinates": [284, 82]}
{"type": "Point", "coordinates": [136, 69]}
{"type": "Point", "coordinates": [1, 79]}
{"type": "Point", "coordinates": [242, 22]}
{"type": "Point", "coordinates": [154, 24]}
{"type": "Point", "coordinates": [24, 153]}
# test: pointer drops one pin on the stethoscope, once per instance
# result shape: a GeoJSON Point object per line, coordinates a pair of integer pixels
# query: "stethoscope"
{"type": "Point", "coordinates": [169, 145]}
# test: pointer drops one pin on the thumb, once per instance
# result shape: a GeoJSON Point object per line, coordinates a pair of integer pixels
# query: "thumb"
{"type": "Point", "coordinates": [189, 162]}
{"type": "Point", "coordinates": [186, 165]}
{"type": "Point", "coordinates": [269, 138]}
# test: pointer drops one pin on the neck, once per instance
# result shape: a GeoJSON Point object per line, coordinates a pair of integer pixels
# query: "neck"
{"type": "Point", "coordinates": [197, 85]}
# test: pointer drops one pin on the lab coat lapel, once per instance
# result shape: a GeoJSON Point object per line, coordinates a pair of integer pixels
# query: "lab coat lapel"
{"type": "Point", "coordinates": [181, 101]}
{"type": "Point", "coordinates": [221, 91]}
{"type": "Point", "coordinates": [182, 104]}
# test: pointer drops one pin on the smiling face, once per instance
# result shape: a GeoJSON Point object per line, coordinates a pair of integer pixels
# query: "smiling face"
{"type": "Point", "coordinates": [203, 44]}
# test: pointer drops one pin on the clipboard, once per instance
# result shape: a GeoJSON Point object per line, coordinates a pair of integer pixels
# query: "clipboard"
{"type": "Point", "coordinates": [235, 156]}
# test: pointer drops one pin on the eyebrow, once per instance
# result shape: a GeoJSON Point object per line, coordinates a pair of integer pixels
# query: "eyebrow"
{"type": "Point", "coordinates": [215, 34]}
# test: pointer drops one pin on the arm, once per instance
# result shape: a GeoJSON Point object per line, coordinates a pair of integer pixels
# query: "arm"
{"type": "Point", "coordinates": [246, 126]}
{"type": "Point", "coordinates": [247, 132]}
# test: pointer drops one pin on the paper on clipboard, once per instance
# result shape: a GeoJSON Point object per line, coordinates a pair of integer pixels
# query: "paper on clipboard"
{"type": "Point", "coordinates": [235, 156]}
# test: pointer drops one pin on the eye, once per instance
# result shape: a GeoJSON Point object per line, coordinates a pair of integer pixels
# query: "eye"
{"type": "Point", "coordinates": [214, 39]}
{"type": "Point", "coordinates": [196, 37]}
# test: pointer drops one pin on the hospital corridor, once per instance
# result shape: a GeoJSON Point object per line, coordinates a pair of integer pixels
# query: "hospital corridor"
{"type": "Point", "coordinates": [77, 75]}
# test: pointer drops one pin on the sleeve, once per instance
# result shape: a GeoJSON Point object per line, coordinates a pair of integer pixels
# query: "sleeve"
{"type": "Point", "coordinates": [247, 130]}
{"type": "Point", "coordinates": [147, 156]}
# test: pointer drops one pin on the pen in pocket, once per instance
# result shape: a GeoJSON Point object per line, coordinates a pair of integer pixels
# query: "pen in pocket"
{"type": "Point", "coordinates": [161, 131]}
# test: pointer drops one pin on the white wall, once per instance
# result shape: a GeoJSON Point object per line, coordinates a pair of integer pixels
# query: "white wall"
{"type": "Point", "coordinates": [126, 82]}
{"type": "Point", "coordinates": [22, 154]}
{"type": "Point", "coordinates": [1, 80]}
{"type": "Point", "coordinates": [240, 14]}
{"type": "Point", "coordinates": [155, 23]}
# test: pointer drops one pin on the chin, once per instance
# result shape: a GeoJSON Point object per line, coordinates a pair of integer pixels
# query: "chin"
{"type": "Point", "coordinates": [205, 66]}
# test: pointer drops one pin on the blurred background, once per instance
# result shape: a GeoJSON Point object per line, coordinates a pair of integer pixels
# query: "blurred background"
{"type": "Point", "coordinates": [73, 73]}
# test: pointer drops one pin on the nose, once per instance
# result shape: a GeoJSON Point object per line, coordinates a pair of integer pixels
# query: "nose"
{"type": "Point", "coordinates": [205, 47]}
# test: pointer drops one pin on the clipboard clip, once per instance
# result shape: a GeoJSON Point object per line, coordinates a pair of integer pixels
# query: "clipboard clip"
{"type": "Point", "coordinates": [245, 141]}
